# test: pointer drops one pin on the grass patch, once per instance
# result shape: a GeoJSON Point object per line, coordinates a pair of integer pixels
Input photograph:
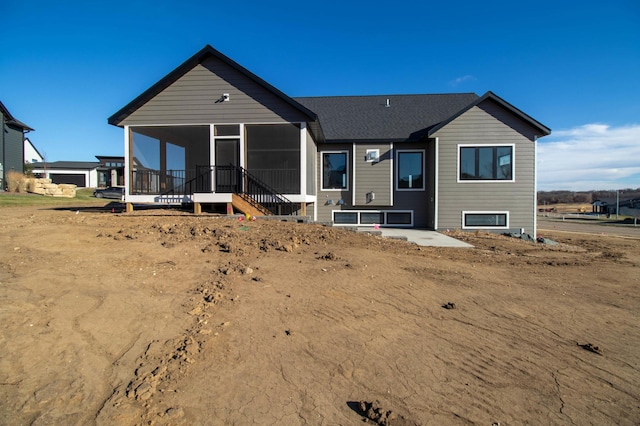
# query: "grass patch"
{"type": "Point", "coordinates": [83, 196]}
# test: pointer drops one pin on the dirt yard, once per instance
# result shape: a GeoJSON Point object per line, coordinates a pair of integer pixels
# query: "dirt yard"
{"type": "Point", "coordinates": [162, 317]}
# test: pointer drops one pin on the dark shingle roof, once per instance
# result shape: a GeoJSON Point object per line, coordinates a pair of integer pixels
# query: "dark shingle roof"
{"type": "Point", "coordinates": [407, 118]}
{"type": "Point", "coordinates": [78, 165]}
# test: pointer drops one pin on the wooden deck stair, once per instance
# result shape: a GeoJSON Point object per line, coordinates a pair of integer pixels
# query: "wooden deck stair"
{"type": "Point", "coordinates": [239, 203]}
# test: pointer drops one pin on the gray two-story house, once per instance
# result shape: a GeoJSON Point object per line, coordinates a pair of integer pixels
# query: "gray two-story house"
{"type": "Point", "coordinates": [11, 145]}
{"type": "Point", "coordinates": [213, 133]}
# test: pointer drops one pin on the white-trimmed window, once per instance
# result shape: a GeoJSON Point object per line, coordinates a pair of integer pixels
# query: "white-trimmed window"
{"type": "Point", "coordinates": [410, 171]}
{"type": "Point", "coordinates": [396, 218]}
{"type": "Point", "coordinates": [486, 163]}
{"type": "Point", "coordinates": [485, 220]}
{"type": "Point", "coordinates": [335, 170]}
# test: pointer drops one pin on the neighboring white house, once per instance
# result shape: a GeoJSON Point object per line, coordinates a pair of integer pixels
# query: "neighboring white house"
{"type": "Point", "coordinates": [31, 154]}
{"type": "Point", "coordinates": [84, 174]}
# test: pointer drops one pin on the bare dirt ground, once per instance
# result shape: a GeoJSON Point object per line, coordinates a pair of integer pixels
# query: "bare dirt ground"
{"type": "Point", "coordinates": [162, 317]}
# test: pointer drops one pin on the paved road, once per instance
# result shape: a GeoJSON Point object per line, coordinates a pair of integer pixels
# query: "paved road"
{"type": "Point", "coordinates": [587, 227]}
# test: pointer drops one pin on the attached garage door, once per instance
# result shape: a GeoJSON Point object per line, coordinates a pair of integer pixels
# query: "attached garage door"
{"type": "Point", "coordinates": [78, 180]}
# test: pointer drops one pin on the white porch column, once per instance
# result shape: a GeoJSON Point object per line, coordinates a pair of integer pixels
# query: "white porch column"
{"type": "Point", "coordinates": [212, 156]}
{"type": "Point", "coordinates": [303, 158]}
{"type": "Point", "coordinates": [242, 147]}
{"type": "Point", "coordinates": [128, 164]}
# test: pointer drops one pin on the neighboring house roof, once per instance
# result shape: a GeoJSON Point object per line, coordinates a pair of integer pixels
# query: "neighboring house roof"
{"type": "Point", "coordinates": [174, 75]}
{"type": "Point", "coordinates": [544, 130]}
{"type": "Point", "coordinates": [27, 141]}
{"type": "Point", "coordinates": [110, 157]}
{"type": "Point", "coordinates": [406, 118]}
{"type": "Point", "coordinates": [67, 165]}
{"type": "Point", "coordinates": [10, 119]}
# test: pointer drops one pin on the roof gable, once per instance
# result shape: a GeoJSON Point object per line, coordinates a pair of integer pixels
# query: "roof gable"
{"type": "Point", "coordinates": [27, 142]}
{"type": "Point", "coordinates": [188, 65]}
{"type": "Point", "coordinates": [490, 96]}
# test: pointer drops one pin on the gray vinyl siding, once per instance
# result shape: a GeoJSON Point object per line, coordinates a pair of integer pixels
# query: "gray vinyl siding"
{"type": "Point", "coordinates": [13, 149]}
{"type": "Point", "coordinates": [486, 124]}
{"type": "Point", "coordinates": [373, 176]}
{"type": "Point", "coordinates": [312, 154]}
{"type": "Point", "coordinates": [192, 100]}
{"type": "Point", "coordinates": [2, 182]}
{"type": "Point", "coordinates": [323, 209]}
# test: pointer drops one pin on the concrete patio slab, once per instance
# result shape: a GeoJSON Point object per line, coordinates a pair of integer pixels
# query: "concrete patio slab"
{"type": "Point", "coordinates": [421, 237]}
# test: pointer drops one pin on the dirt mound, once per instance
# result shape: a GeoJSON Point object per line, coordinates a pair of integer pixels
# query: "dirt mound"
{"type": "Point", "coordinates": [375, 412]}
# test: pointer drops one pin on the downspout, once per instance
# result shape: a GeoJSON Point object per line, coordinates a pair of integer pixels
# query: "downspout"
{"type": "Point", "coordinates": [2, 158]}
{"type": "Point", "coordinates": [353, 176]}
{"type": "Point", "coordinates": [436, 183]}
{"type": "Point", "coordinates": [535, 187]}
{"type": "Point", "coordinates": [392, 183]}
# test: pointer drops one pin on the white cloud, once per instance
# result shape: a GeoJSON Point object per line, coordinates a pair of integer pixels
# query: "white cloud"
{"type": "Point", "coordinates": [462, 79]}
{"type": "Point", "coordinates": [592, 156]}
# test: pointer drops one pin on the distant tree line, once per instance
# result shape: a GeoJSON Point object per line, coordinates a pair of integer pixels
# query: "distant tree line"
{"type": "Point", "coordinates": [587, 197]}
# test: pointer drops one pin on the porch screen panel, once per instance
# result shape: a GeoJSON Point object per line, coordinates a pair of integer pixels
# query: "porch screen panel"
{"type": "Point", "coordinates": [273, 155]}
{"type": "Point", "coordinates": [176, 168]}
{"type": "Point", "coordinates": [145, 163]}
{"type": "Point", "coordinates": [165, 158]}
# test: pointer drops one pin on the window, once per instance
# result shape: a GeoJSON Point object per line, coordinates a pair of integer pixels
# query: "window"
{"type": "Point", "coordinates": [227, 130]}
{"type": "Point", "coordinates": [486, 163]}
{"type": "Point", "coordinates": [401, 218]}
{"type": "Point", "coordinates": [334, 170]}
{"type": "Point", "coordinates": [486, 220]}
{"type": "Point", "coordinates": [410, 168]}
{"type": "Point", "coordinates": [396, 218]}
{"type": "Point", "coordinates": [371, 218]}
{"type": "Point", "coordinates": [345, 218]}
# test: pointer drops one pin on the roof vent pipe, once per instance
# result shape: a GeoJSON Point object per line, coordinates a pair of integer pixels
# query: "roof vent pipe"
{"type": "Point", "coordinates": [388, 104]}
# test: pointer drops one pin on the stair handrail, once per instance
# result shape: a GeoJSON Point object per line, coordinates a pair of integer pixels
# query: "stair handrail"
{"type": "Point", "coordinates": [253, 190]}
{"type": "Point", "coordinates": [278, 204]}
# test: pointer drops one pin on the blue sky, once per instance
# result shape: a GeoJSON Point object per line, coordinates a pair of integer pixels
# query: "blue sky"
{"type": "Point", "coordinates": [572, 65]}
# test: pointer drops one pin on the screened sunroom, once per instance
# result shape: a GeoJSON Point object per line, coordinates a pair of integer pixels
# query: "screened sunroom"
{"type": "Point", "coordinates": [218, 158]}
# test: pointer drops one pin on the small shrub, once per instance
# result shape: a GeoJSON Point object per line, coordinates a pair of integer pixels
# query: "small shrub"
{"type": "Point", "coordinates": [28, 170]}
{"type": "Point", "coordinates": [15, 182]}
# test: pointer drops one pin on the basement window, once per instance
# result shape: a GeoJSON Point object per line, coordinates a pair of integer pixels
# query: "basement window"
{"type": "Point", "coordinates": [485, 220]}
{"type": "Point", "coordinates": [399, 218]}
{"type": "Point", "coordinates": [345, 218]}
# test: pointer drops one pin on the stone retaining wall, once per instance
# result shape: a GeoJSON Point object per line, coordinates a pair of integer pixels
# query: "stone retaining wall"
{"type": "Point", "coordinates": [45, 187]}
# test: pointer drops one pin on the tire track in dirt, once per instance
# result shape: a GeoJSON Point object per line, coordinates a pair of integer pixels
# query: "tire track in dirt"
{"type": "Point", "coordinates": [163, 363]}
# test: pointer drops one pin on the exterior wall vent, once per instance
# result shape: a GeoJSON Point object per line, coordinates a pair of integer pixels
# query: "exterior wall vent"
{"type": "Point", "coordinates": [372, 155]}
